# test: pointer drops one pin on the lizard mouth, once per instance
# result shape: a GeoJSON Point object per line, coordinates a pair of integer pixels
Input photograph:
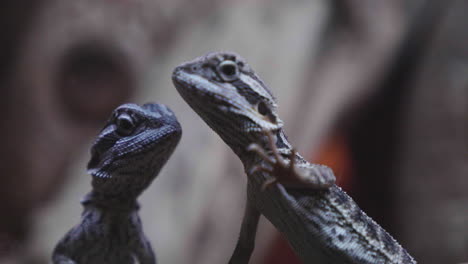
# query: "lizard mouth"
{"type": "Point", "coordinates": [184, 81]}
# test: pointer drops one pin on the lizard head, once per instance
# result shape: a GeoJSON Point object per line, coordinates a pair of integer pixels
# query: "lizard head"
{"type": "Point", "coordinates": [227, 94]}
{"type": "Point", "coordinates": [132, 148]}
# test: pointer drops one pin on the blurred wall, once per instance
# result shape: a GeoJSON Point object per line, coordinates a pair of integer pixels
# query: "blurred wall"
{"type": "Point", "coordinates": [331, 65]}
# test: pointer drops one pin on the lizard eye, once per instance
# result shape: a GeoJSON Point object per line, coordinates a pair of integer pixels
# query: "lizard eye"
{"type": "Point", "coordinates": [228, 70]}
{"type": "Point", "coordinates": [125, 125]}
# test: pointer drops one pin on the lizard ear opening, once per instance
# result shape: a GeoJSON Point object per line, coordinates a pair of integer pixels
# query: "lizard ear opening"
{"type": "Point", "coordinates": [264, 110]}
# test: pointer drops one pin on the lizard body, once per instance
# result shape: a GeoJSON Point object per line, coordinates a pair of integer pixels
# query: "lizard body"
{"type": "Point", "coordinates": [125, 158]}
{"type": "Point", "coordinates": [320, 221]}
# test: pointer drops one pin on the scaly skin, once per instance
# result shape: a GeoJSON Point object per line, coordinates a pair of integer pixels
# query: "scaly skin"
{"type": "Point", "coordinates": [127, 155]}
{"type": "Point", "coordinates": [320, 221]}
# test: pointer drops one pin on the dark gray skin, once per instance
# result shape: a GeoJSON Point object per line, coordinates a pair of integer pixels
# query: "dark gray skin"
{"type": "Point", "coordinates": [127, 155]}
{"type": "Point", "coordinates": [320, 221]}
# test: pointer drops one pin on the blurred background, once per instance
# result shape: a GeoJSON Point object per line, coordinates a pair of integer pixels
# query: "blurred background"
{"type": "Point", "coordinates": [378, 90]}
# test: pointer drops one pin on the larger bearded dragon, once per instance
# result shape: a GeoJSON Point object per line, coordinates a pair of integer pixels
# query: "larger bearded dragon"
{"type": "Point", "coordinates": [320, 221]}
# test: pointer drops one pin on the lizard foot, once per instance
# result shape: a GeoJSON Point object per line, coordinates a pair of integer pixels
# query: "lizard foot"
{"type": "Point", "coordinates": [289, 173]}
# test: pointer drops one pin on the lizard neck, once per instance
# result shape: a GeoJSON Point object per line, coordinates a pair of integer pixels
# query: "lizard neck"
{"type": "Point", "coordinates": [109, 202]}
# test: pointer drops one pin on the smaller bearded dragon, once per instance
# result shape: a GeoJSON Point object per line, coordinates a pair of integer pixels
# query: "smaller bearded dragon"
{"type": "Point", "coordinates": [127, 155]}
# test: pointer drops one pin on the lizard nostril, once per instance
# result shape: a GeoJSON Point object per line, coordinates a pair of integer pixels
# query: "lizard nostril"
{"type": "Point", "coordinates": [194, 68]}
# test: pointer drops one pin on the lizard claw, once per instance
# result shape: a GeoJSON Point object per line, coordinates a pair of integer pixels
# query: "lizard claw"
{"type": "Point", "coordinates": [259, 168]}
{"type": "Point", "coordinates": [286, 170]}
{"type": "Point", "coordinates": [268, 183]}
{"type": "Point", "coordinates": [254, 147]}
{"type": "Point", "coordinates": [273, 161]}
